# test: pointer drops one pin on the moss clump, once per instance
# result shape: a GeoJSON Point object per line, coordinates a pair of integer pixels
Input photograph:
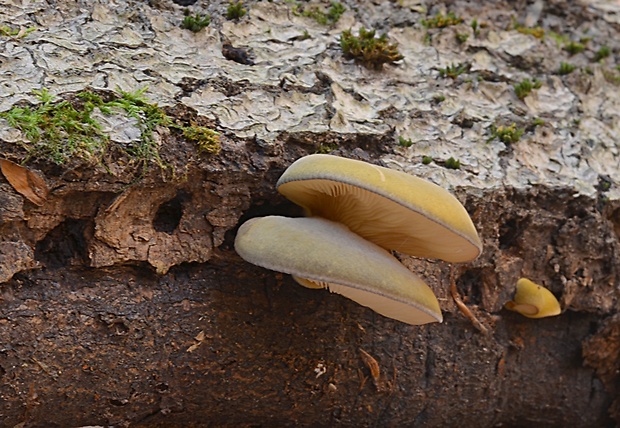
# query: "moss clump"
{"type": "Point", "coordinates": [329, 17]}
{"type": "Point", "coordinates": [326, 148]}
{"type": "Point", "coordinates": [441, 21]}
{"type": "Point", "coordinates": [506, 134]}
{"type": "Point", "coordinates": [574, 48]}
{"type": "Point", "coordinates": [63, 130]}
{"type": "Point", "coordinates": [195, 23]}
{"type": "Point", "coordinates": [58, 131]}
{"type": "Point", "coordinates": [461, 37]}
{"type": "Point", "coordinates": [372, 52]}
{"type": "Point", "coordinates": [426, 160]}
{"type": "Point", "coordinates": [537, 32]}
{"type": "Point", "coordinates": [602, 53]}
{"type": "Point", "coordinates": [235, 11]}
{"type": "Point", "coordinates": [207, 139]}
{"type": "Point", "coordinates": [565, 68]}
{"type": "Point", "coordinates": [526, 86]}
{"type": "Point", "coordinates": [148, 117]}
{"type": "Point", "coordinates": [7, 31]}
{"type": "Point", "coordinates": [404, 142]}
{"type": "Point", "coordinates": [454, 70]}
{"type": "Point", "coordinates": [475, 27]}
{"type": "Point", "coordinates": [452, 163]}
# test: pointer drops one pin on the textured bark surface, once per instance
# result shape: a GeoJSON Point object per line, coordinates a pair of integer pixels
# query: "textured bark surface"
{"type": "Point", "coordinates": [122, 301]}
{"type": "Point", "coordinates": [229, 343]}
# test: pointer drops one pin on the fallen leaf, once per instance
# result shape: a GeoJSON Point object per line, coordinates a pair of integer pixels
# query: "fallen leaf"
{"type": "Point", "coordinates": [28, 183]}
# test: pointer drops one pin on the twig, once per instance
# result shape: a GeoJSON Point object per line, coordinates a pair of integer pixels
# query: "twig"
{"type": "Point", "coordinates": [372, 365]}
{"type": "Point", "coordinates": [464, 309]}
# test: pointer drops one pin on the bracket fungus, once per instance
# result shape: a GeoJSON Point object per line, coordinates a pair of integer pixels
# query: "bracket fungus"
{"type": "Point", "coordinates": [393, 209]}
{"type": "Point", "coordinates": [533, 301]}
{"type": "Point", "coordinates": [326, 254]}
{"type": "Point", "coordinates": [357, 212]}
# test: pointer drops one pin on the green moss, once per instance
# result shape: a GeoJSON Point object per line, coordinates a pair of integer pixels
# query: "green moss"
{"type": "Point", "coordinates": [195, 23]}
{"type": "Point", "coordinates": [442, 21]}
{"type": "Point", "coordinates": [329, 17]}
{"type": "Point", "coordinates": [439, 98]}
{"type": "Point", "coordinates": [453, 71]}
{"type": "Point", "coordinates": [537, 32]}
{"type": "Point", "coordinates": [461, 37]}
{"type": "Point", "coordinates": [59, 131]}
{"type": "Point", "coordinates": [475, 27]}
{"type": "Point", "coordinates": [371, 51]}
{"type": "Point", "coordinates": [574, 48]}
{"type": "Point", "coordinates": [525, 87]}
{"type": "Point", "coordinates": [148, 117]}
{"type": "Point", "coordinates": [235, 11]}
{"type": "Point", "coordinates": [565, 68]}
{"type": "Point", "coordinates": [405, 142]}
{"type": "Point", "coordinates": [602, 53]}
{"type": "Point", "coordinates": [452, 163]}
{"type": "Point", "coordinates": [19, 33]}
{"type": "Point", "coordinates": [537, 122]}
{"type": "Point", "coordinates": [506, 134]}
{"type": "Point", "coordinates": [426, 160]}
{"type": "Point", "coordinates": [206, 139]}
{"type": "Point", "coordinates": [326, 148]}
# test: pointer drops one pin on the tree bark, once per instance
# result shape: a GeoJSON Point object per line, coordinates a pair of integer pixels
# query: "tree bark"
{"type": "Point", "coordinates": [123, 302]}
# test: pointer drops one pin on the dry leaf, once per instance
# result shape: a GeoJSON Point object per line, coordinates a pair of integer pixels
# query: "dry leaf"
{"type": "Point", "coordinates": [28, 183]}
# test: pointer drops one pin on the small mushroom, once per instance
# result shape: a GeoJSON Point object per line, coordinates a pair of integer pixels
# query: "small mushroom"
{"type": "Point", "coordinates": [325, 254]}
{"type": "Point", "coordinates": [392, 209]}
{"type": "Point", "coordinates": [533, 301]}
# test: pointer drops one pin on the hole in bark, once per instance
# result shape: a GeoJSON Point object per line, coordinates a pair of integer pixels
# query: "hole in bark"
{"type": "Point", "coordinates": [162, 387]}
{"type": "Point", "coordinates": [169, 213]}
{"type": "Point", "coordinates": [469, 286]}
{"type": "Point", "coordinates": [64, 245]}
{"type": "Point", "coordinates": [117, 402]}
{"type": "Point", "coordinates": [120, 328]}
{"type": "Point", "coordinates": [509, 232]}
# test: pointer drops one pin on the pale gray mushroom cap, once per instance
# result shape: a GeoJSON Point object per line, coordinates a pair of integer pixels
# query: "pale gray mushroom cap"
{"type": "Point", "coordinates": [328, 253]}
{"type": "Point", "coordinates": [394, 210]}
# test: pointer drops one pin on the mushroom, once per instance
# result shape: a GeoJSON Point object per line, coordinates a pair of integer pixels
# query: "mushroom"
{"type": "Point", "coordinates": [324, 254]}
{"type": "Point", "coordinates": [533, 301]}
{"type": "Point", "coordinates": [390, 208]}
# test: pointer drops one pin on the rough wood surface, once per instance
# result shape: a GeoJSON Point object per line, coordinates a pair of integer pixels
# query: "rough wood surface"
{"type": "Point", "coordinates": [122, 301]}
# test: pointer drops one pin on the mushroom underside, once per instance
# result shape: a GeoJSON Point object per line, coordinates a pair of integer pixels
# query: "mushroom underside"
{"type": "Point", "coordinates": [393, 209]}
{"type": "Point", "coordinates": [324, 252]}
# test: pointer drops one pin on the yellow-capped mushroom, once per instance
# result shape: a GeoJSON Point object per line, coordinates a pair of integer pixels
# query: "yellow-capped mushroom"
{"type": "Point", "coordinates": [392, 209]}
{"type": "Point", "coordinates": [325, 254]}
{"type": "Point", "coordinates": [533, 301]}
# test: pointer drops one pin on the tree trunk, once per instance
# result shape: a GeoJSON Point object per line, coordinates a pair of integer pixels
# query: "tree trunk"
{"type": "Point", "coordinates": [124, 303]}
